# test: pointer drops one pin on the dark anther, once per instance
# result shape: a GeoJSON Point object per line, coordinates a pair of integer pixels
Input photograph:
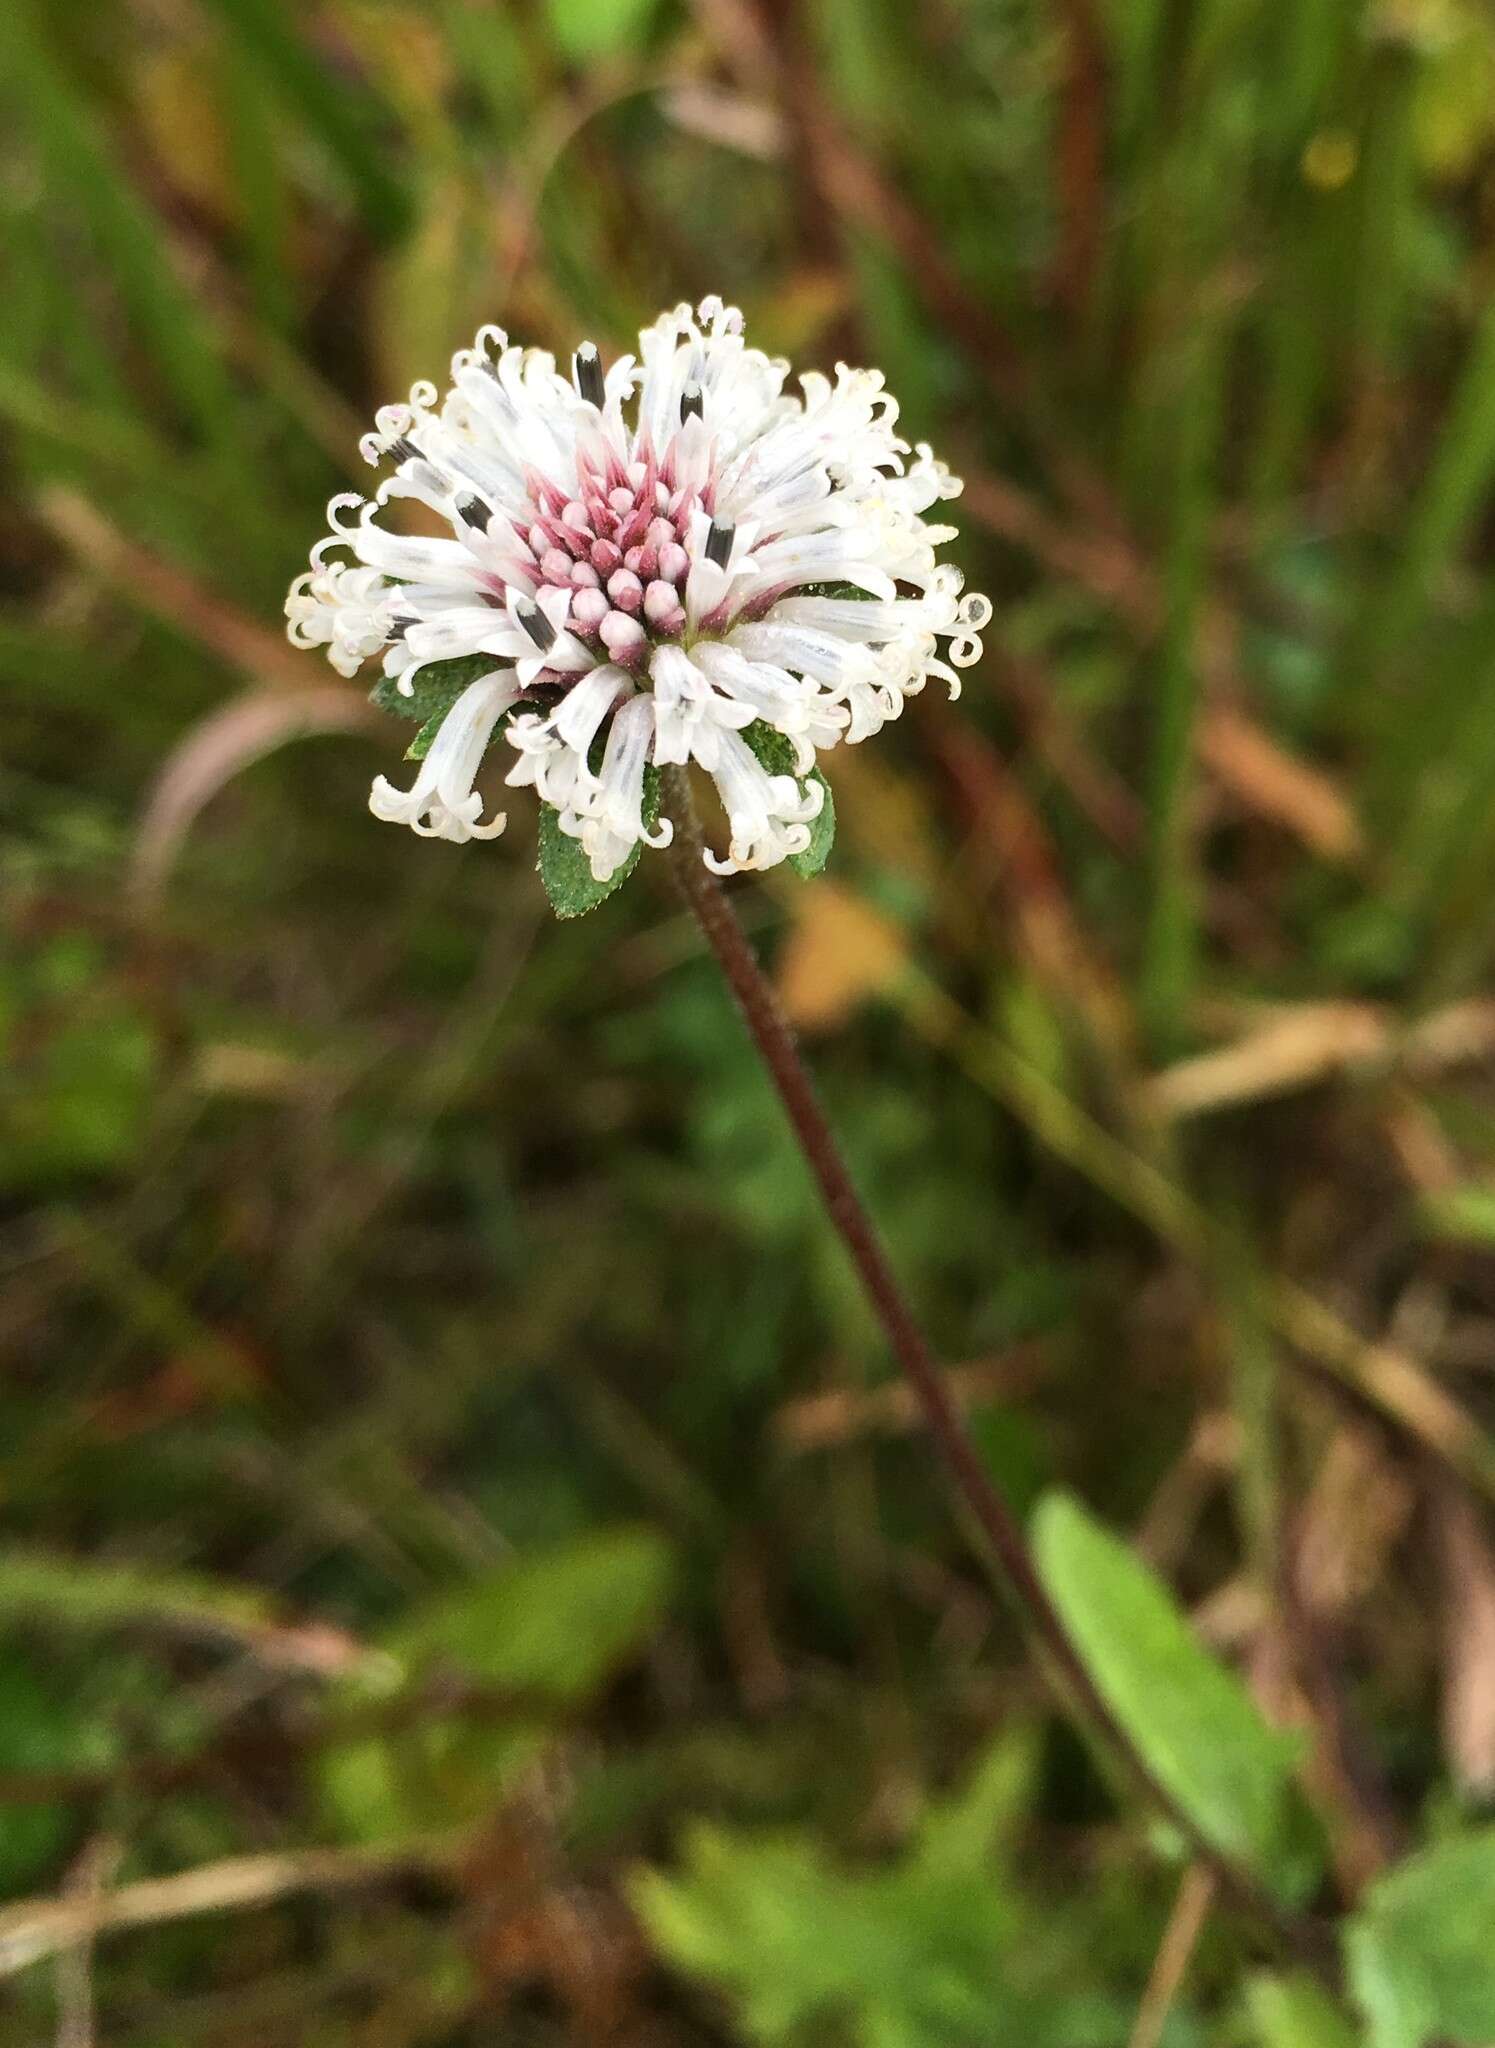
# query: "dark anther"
{"type": "Point", "coordinates": [401, 450]}
{"type": "Point", "coordinates": [586, 368]}
{"type": "Point", "coordinates": [719, 542]}
{"type": "Point", "coordinates": [692, 403]}
{"type": "Point", "coordinates": [535, 623]}
{"type": "Point", "coordinates": [473, 512]}
{"type": "Point", "coordinates": [398, 628]}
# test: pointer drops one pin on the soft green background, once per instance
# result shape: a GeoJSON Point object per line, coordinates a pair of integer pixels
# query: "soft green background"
{"type": "Point", "coordinates": [440, 1444]}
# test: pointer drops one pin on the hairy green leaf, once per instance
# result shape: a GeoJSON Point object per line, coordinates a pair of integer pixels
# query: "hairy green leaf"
{"type": "Point", "coordinates": [771, 747]}
{"type": "Point", "coordinates": [777, 755]}
{"type": "Point", "coordinates": [822, 833]}
{"type": "Point", "coordinates": [425, 739]}
{"type": "Point", "coordinates": [565, 870]}
{"type": "Point", "coordinates": [434, 689]}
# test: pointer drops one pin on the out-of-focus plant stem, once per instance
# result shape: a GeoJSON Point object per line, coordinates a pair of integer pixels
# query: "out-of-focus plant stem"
{"type": "Point", "coordinates": [983, 1499]}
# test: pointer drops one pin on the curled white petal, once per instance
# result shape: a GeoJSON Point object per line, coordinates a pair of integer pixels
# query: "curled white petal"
{"type": "Point", "coordinates": [612, 822]}
{"type": "Point", "coordinates": [768, 816]}
{"type": "Point", "coordinates": [441, 803]}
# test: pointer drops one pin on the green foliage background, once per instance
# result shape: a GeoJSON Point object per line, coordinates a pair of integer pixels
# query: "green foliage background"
{"type": "Point", "coordinates": [449, 1484]}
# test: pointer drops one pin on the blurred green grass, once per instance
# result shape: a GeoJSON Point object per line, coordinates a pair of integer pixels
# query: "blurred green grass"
{"type": "Point", "coordinates": [379, 1257]}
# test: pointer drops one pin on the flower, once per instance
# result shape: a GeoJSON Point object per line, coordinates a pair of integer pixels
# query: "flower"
{"type": "Point", "coordinates": [670, 560]}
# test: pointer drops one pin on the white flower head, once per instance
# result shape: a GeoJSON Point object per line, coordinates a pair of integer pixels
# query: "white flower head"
{"type": "Point", "coordinates": [669, 560]}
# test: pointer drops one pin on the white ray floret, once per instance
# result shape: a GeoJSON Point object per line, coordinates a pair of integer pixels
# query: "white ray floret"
{"type": "Point", "coordinates": [441, 803]}
{"type": "Point", "coordinates": [660, 558]}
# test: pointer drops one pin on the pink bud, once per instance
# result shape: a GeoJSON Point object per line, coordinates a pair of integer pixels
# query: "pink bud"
{"type": "Point", "coordinates": [662, 606]}
{"type": "Point", "coordinates": [620, 634]}
{"type": "Point", "coordinates": [576, 516]}
{"type": "Point", "coordinates": [606, 556]}
{"type": "Point", "coordinates": [625, 590]}
{"type": "Point", "coordinates": [584, 576]}
{"type": "Point", "coordinates": [673, 562]}
{"type": "Point", "coordinates": [588, 609]}
{"type": "Point", "coordinates": [555, 565]}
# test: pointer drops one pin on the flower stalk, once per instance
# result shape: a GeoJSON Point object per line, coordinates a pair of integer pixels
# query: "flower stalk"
{"type": "Point", "coordinates": [999, 1526]}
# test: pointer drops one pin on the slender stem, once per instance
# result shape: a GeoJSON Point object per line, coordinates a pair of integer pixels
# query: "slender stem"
{"type": "Point", "coordinates": [774, 1038]}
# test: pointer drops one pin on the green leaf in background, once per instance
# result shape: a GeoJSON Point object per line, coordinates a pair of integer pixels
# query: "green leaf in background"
{"type": "Point", "coordinates": [1190, 1718]}
{"type": "Point", "coordinates": [432, 1778]}
{"type": "Point", "coordinates": [75, 145]}
{"type": "Point", "coordinates": [552, 1625]}
{"type": "Point", "coordinates": [434, 688]}
{"type": "Point", "coordinates": [1421, 1950]}
{"type": "Point", "coordinates": [565, 870]}
{"type": "Point", "coordinates": [777, 755]}
{"type": "Point", "coordinates": [80, 1104]}
{"type": "Point", "coordinates": [36, 1736]}
{"type": "Point", "coordinates": [925, 1952]}
{"type": "Point", "coordinates": [80, 1061]}
{"type": "Point", "coordinates": [75, 1593]}
{"type": "Point", "coordinates": [556, 1622]}
{"type": "Point", "coordinates": [1461, 1215]}
{"type": "Point", "coordinates": [588, 29]}
{"type": "Point", "coordinates": [1294, 2012]}
{"type": "Point", "coordinates": [350, 123]}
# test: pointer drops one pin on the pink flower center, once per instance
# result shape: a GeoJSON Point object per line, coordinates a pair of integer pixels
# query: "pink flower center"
{"type": "Point", "coordinates": [618, 547]}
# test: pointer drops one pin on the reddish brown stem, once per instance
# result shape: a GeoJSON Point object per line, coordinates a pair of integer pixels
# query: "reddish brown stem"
{"type": "Point", "coordinates": [774, 1039]}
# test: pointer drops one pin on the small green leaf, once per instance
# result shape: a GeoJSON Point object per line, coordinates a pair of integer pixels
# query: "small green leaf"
{"type": "Point", "coordinates": [924, 1950]}
{"type": "Point", "coordinates": [1191, 1719]}
{"type": "Point", "coordinates": [1460, 1215]}
{"type": "Point", "coordinates": [446, 1771]}
{"type": "Point", "coordinates": [41, 1730]}
{"type": "Point", "coordinates": [552, 1626]}
{"type": "Point", "coordinates": [567, 873]}
{"type": "Point", "coordinates": [771, 747]}
{"type": "Point", "coordinates": [78, 1594]}
{"type": "Point", "coordinates": [587, 29]}
{"type": "Point", "coordinates": [777, 755]}
{"type": "Point", "coordinates": [425, 739]}
{"type": "Point", "coordinates": [1293, 2012]}
{"type": "Point", "coordinates": [1421, 1950]}
{"type": "Point", "coordinates": [555, 1622]}
{"type": "Point", "coordinates": [565, 870]}
{"type": "Point", "coordinates": [822, 834]}
{"type": "Point", "coordinates": [434, 689]}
